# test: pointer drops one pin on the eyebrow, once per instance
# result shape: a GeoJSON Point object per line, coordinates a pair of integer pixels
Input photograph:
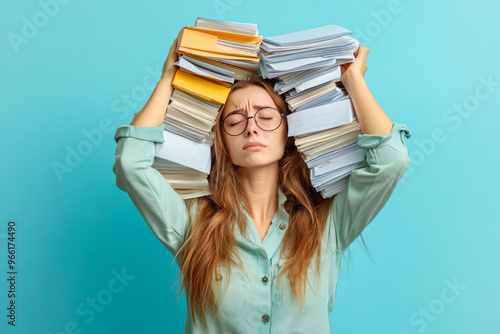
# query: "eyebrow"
{"type": "Point", "coordinates": [241, 109]}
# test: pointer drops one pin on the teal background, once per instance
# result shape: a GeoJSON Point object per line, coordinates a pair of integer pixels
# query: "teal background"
{"type": "Point", "coordinates": [73, 75]}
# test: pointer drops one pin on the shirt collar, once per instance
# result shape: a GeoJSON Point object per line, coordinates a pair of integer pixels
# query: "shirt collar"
{"type": "Point", "coordinates": [276, 232]}
{"type": "Point", "coordinates": [281, 199]}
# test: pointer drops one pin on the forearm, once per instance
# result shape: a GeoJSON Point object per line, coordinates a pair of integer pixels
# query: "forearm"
{"type": "Point", "coordinates": [153, 113]}
{"type": "Point", "coordinates": [372, 119]}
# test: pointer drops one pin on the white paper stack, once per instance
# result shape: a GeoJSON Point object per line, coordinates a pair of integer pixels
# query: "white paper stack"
{"type": "Point", "coordinates": [227, 26]}
{"type": "Point", "coordinates": [191, 117]}
{"type": "Point", "coordinates": [184, 163]}
{"type": "Point", "coordinates": [305, 67]}
{"type": "Point", "coordinates": [331, 155]}
{"type": "Point", "coordinates": [187, 182]}
{"type": "Point", "coordinates": [323, 47]}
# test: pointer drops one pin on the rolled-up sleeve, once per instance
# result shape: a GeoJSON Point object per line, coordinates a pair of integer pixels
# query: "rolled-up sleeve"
{"type": "Point", "coordinates": [370, 185]}
{"type": "Point", "coordinates": [159, 204]}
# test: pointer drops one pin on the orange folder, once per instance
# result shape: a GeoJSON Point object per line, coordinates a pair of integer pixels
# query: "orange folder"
{"type": "Point", "coordinates": [195, 42]}
{"type": "Point", "coordinates": [203, 88]}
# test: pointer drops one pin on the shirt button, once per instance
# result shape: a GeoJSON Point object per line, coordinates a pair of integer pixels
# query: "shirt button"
{"type": "Point", "coordinates": [282, 226]}
{"type": "Point", "coordinates": [218, 277]}
{"type": "Point", "coordinates": [265, 279]}
{"type": "Point", "coordinates": [265, 318]}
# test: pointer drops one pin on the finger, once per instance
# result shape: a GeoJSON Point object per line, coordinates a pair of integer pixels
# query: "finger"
{"type": "Point", "coordinates": [173, 50]}
{"type": "Point", "coordinates": [363, 50]}
{"type": "Point", "coordinates": [174, 44]}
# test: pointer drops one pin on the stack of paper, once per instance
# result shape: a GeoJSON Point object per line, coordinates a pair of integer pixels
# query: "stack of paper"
{"type": "Point", "coordinates": [184, 163]}
{"type": "Point", "coordinates": [212, 56]}
{"type": "Point", "coordinates": [331, 155]}
{"type": "Point", "coordinates": [305, 65]}
{"type": "Point", "coordinates": [218, 42]}
{"type": "Point", "coordinates": [191, 117]}
{"type": "Point", "coordinates": [323, 47]}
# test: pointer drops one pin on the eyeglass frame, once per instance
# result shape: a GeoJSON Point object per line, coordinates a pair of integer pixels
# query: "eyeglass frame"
{"type": "Point", "coordinates": [247, 118]}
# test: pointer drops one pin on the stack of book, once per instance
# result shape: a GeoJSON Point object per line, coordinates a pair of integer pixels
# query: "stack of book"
{"type": "Point", "coordinates": [305, 68]}
{"type": "Point", "coordinates": [212, 56]}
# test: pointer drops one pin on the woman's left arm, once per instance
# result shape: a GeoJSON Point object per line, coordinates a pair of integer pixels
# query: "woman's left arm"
{"type": "Point", "coordinates": [372, 182]}
{"type": "Point", "coordinates": [372, 119]}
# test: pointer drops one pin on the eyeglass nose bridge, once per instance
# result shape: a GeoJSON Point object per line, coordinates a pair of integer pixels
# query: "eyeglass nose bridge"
{"type": "Point", "coordinates": [248, 121]}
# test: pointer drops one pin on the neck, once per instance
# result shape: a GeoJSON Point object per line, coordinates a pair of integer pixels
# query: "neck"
{"type": "Point", "coordinates": [260, 186]}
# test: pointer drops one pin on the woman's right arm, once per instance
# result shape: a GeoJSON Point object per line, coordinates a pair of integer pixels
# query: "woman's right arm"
{"type": "Point", "coordinates": [154, 111]}
{"type": "Point", "coordinates": [160, 205]}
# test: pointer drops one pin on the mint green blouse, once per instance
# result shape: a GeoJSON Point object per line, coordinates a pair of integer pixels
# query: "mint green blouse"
{"type": "Point", "coordinates": [255, 302]}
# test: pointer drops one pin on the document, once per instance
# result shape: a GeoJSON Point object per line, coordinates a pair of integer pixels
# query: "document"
{"type": "Point", "coordinates": [204, 69]}
{"type": "Point", "coordinates": [184, 152]}
{"type": "Point", "coordinates": [320, 118]}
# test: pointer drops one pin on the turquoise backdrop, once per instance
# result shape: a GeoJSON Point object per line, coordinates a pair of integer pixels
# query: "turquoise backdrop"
{"type": "Point", "coordinates": [86, 261]}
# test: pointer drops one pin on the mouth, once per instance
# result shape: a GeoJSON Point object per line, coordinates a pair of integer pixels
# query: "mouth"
{"type": "Point", "coordinates": [253, 146]}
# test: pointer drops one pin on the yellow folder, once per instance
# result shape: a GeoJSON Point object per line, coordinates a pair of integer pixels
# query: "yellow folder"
{"type": "Point", "coordinates": [195, 42]}
{"type": "Point", "coordinates": [203, 88]}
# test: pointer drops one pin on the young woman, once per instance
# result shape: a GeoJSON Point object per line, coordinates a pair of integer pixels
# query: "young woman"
{"type": "Point", "coordinates": [262, 254]}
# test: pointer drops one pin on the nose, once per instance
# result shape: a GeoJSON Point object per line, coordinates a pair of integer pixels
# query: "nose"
{"type": "Point", "coordinates": [251, 127]}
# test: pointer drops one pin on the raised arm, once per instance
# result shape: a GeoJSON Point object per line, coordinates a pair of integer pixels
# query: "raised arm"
{"type": "Point", "coordinates": [161, 207]}
{"type": "Point", "coordinates": [373, 181]}
{"type": "Point", "coordinates": [372, 119]}
{"type": "Point", "coordinates": [154, 110]}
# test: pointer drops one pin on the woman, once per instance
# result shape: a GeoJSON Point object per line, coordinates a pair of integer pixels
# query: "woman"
{"type": "Point", "coordinates": [261, 254]}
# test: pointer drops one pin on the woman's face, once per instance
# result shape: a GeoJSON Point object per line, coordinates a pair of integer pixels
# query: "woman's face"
{"type": "Point", "coordinates": [254, 147]}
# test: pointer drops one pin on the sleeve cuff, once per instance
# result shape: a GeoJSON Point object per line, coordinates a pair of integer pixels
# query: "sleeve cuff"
{"type": "Point", "coordinates": [374, 140]}
{"type": "Point", "coordinates": [154, 134]}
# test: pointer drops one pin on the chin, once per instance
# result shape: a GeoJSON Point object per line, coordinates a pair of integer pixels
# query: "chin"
{"type": "Point", "coordinates": [255, 163]}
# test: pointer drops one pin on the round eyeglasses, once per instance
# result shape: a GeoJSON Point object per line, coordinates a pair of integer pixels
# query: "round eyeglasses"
{"type": "Point", "coordinates": [267, 119]}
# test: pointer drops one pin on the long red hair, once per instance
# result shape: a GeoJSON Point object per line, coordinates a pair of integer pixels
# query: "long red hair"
{"type": "Point", "coordinates": [211, 241]}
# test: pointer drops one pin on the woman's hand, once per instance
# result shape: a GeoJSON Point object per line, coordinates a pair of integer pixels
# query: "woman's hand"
{"type": "Point", "coordinates": [169, 67]}
{"type": "Point", "coordinates": [357, 68]}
